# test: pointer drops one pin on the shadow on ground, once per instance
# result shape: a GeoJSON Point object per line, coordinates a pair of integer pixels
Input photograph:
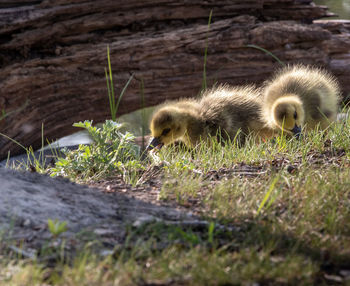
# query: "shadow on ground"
{"type": "Point", "coordinates": [28, 200]}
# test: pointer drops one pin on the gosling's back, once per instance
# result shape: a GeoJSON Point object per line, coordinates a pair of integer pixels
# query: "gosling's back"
{"type": "Point", "coordinates": [230, 109]}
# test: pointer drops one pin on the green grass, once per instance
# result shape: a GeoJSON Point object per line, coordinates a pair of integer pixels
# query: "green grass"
{"type": "Point", "coordinates": [111, 152]}
{"type": "Point", "coordinates": [268, 223]}
{"type": "Point", "coordinates": [110, 88]}
{"type": "Point", "coordinates": [32, 162]}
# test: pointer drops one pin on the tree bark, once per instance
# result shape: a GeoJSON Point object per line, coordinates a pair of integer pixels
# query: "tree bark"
{"type": "Point", "coordinates": [53, 54]}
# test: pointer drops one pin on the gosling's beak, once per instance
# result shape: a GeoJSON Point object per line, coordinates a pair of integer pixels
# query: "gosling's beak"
{"type": "Point", "coordinates": [296, 131]}
{"type": "Point", "coordinates": [154, 143]}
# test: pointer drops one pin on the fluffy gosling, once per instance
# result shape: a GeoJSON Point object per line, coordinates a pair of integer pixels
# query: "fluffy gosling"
{"type": "Point", "coordinates": [234, 112]}
{"type": "Point", "coordinates": [176, 121]}
{"type": "Point", "coordinates": [300, 96]}
{"type": "Point", "coordinates": [227, 112]}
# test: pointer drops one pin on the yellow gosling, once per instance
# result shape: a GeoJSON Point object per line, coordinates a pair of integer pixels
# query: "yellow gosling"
{"type": "Point", "coordinates": [300, 96]}
{"type": "Point", "coordinates": [176, 121]}
{"type": "Point", "coordinates": [226, 112]}
{"type": "Point", "coordinates": [234, 111]}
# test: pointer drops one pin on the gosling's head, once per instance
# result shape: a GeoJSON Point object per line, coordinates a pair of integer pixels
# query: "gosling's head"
{"type": "Point", "coordinates": [167, 125]}
{"type": "Point", "coordinates": [288, 114]}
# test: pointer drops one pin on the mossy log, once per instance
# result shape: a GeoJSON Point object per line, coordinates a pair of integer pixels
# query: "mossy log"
{"type": "Point", "coordinates": [53, 54]}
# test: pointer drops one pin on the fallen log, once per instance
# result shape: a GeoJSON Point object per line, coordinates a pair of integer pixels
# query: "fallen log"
{"type": "Point", "coordinates": [53, 55]}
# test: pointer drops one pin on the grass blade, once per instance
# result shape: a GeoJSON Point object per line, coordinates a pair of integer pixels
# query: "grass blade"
{"type": "Point", "coordinates": [267, 52]}
{"type": "Point", "coordinates": [111, 87]}
{"type": "Point", "coordinates": [143, 114]}
{"type": "Point", "coordinates": [122, 93]}
{"type": "Point", "coordinates": [109, 93]}
{"type": "Point", "coordinates": [268, 194]}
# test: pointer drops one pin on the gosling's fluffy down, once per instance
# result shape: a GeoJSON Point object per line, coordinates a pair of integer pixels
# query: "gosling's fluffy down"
{"type": "Point", "coordinates": [299, 96]}
{"type": "Point", "coordinates": [234, 112]}
{"type": "Point", "coordinates": [221, 111]}
{"type": "Point", "coordinates": [177, 121]}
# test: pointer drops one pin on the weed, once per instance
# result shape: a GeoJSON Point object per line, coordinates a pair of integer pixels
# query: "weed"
{"type": "Point", "coordinates": [32, 162]}
{"type": "Point", "coordinates": [110, 89]}
{"type": "Point", "coordinates": [56, 227]}
{"type": "Point", "coordinates": [111, 151]}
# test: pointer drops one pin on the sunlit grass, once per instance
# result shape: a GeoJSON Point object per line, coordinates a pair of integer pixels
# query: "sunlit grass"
{"type": "Point", "coordinates": [274, 225]}
{"type": "Point", "coordinates": [278, 212]}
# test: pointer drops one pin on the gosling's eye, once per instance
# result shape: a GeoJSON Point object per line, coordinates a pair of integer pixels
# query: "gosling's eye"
{"type": "Point", "coordinates": [165, 131]}
{"type": "Point", "coordinates": [295, 115]}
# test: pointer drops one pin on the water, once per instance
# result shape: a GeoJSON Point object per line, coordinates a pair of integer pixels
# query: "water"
{"type": "Point", "coordinates": [339, 7]}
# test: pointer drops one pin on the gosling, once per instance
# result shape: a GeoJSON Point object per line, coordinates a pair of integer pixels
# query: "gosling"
{"type": "Point", "coordinates": [233, 112]}
{"type": "Point", "coordinates": [229, 113]}
{"type": "Point", "coordinates": [176, 121]}
{"type": "Point", "coordinates": [300, 97]}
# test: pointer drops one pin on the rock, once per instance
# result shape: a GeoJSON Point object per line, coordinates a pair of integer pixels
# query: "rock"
{"type": "Point", "coordinates": [28, 200]}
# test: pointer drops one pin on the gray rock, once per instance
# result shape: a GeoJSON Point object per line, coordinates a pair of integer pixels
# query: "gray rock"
{"type": "Point", "coordinates": [28, 200]}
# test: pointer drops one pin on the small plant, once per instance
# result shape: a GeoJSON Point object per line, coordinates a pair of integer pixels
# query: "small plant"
{"type": "Point", "coordinates": [110, 151]}
{"type": "Point", "coordinates": [56, 227]}
{"type": "Point", "coordinates": [110, 88]}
